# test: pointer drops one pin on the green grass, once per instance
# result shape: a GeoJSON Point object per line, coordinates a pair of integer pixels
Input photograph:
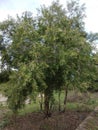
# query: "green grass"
{"type": "Point", "coordinates": [90, 104]}
{"type": "Point", "coordinates": [29, 108]}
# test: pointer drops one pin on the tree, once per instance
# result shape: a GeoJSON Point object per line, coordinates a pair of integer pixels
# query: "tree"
{"type": "Point", "coordinates": [70, 54]}
{"type": "Point", "coordinates": [46, 53]}
{"type": "Point", "coordinates": [21, 54]}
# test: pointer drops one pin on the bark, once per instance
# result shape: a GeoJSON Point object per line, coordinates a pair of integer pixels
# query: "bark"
{"type": "Point", "coordinates": [46, 106]}
{"type": "Point", "coordinates": [41, 102]}
{"type": "Point", "coordinates": [65, 99]}
{"type": "Point", "coordinates": [59, 107]}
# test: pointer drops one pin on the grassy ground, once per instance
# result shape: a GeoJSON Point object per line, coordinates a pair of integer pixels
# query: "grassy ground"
{"type": "Point", "coordinates": [77, 103]}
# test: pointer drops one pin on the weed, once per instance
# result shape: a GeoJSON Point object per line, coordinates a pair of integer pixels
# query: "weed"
{"type": "Point", "coordinates": [4, 123]}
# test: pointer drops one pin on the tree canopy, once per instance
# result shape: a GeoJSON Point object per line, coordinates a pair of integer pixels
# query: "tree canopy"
{"type": "Point", "coordinates": [46, 53]}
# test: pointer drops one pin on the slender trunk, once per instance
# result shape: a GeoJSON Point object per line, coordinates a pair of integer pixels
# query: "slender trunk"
{"type": "Point", "coordinates": [46, 106]}
{"type": "Point", "coordinates": [51, 106]}
{"type": "Point", "coordinates": [65, 99]}
{"type": "Point", "coordinates": [59, 95]}
{"type": "Point", "coordinates": [41, 101]}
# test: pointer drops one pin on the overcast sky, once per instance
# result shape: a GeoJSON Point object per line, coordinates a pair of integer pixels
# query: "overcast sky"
{"type": "Point", "coordinates": [13, 7]}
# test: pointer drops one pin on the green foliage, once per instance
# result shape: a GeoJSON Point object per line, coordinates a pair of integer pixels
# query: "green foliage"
{"type": "Point", "coordinates": [4, 76]}
{"type": "Point", "coordinates": [4, 123]}
{"type": "Point", "coordinates": [46, 53]}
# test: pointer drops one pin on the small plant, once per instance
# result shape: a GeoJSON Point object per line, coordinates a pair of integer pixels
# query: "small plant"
{"type": "Point", "coordinates": [4, 123]}
{"type": "Point", "coordinates": [45, 127]}
{"type": "Point", "coordinates": [91, 102]}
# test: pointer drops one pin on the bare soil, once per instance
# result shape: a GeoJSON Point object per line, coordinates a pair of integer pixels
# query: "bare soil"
{"type": "Point", "coordinates": [69, 120]}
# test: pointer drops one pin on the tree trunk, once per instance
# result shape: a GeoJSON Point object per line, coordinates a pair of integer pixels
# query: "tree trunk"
{"type": "Point", "coordinates": [41, 102]}
{"type": "Point", "coordinates": [65, 99]}
{"type": "Point", "coordinates": [59, 107]}
{"type": "Point", "coordinates": [46, 106]}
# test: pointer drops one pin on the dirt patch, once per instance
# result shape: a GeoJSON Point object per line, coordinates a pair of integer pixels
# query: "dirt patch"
{"type": "Point", "coordinates": [69, 120]}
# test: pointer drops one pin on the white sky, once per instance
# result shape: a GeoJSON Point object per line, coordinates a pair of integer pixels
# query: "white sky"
{"type": "Point", "coordinates": [13, 7]}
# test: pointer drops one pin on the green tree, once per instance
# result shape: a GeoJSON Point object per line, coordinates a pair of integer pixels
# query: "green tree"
{"type": "Point", "coordinates": [46, 53]}
{"type": "Point", "coordinates": [69, 58]}
{"type": "Point", "coordinates": [21, 55]}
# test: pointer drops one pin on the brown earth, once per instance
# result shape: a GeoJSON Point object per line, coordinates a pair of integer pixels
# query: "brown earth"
{"type": "Point", "coordinates": [69, 120]}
